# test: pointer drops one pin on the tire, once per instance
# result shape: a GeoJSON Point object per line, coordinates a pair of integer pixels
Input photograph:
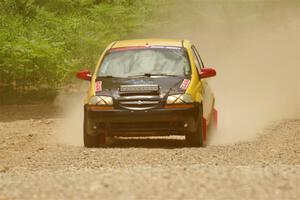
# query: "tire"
{"type": "Point", "coordinates": [195, 138]}
{"type": "Point", "coordinates": [90, 137]}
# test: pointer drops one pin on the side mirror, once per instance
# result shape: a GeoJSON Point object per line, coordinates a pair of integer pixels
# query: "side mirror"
{"type": "Point", "coordinates": [84, 75]}
{"type": "Point", "coordinates": [207, 72]}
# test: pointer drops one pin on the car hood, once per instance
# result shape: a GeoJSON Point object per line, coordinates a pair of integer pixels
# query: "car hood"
{"type": "Point", "coordinates": [110, 86]}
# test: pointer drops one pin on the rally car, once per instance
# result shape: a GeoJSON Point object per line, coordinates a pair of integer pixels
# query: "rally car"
{"type": "Point", "coordinates": [148, 87]}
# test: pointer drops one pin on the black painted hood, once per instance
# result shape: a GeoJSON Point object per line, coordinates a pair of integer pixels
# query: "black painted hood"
{"type": "Point", "coordinates": [110, 86]}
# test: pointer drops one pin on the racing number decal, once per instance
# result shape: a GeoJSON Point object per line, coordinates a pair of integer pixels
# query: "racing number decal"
{"type": "Point", "coordinates": [98, 86]}
{"type": "Point", "coordinates": [185, 83]}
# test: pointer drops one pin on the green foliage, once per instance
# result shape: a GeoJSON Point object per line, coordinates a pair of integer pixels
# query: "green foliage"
{"type": "Point", "coordinates": [43, 42]}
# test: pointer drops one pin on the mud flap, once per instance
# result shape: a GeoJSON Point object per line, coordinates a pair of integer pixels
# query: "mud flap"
{"type": "Point", "coordinates": [203, 130]}
{"type": "Point", "coordinates": [215, 118]}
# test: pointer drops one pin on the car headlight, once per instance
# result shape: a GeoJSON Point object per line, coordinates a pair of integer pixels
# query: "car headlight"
{"type": "Point", "coordinates": [100, 100]}
{"type": "Point", "coordinates": [179, 98]}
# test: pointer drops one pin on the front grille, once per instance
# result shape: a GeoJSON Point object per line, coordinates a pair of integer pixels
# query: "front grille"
{"type": "Point", "coordinates": [139, 101]}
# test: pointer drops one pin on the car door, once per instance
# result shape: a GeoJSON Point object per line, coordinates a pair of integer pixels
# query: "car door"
{"type": "Point", "coordinates": [207, 94]}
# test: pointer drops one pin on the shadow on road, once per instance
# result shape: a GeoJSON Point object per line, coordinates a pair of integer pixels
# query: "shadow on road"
{"type": "Point", "coordinates": [166, 143]}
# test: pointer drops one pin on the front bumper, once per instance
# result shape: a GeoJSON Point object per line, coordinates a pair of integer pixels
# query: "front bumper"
{"type": "Point", "coordinates": [152, 122]}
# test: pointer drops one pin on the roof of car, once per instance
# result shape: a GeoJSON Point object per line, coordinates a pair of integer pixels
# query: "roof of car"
{"type": "Point", "coordinates": [149, 42]}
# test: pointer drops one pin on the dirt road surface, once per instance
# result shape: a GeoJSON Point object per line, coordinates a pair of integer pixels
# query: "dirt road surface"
{"type": "Point", "coordinates": [33, 165]}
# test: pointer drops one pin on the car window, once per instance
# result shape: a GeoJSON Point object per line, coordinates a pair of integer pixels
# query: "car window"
{"type": "Point", "coordinates": [125, 63]}
{"type": "Point", "coordinates": [197, 57]}
{"type": "Point", "coordinates": [196, 61]}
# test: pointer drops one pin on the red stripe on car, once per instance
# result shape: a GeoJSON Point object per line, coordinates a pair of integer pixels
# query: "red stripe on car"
{"type": "Point", "coordinates": [118, 49]}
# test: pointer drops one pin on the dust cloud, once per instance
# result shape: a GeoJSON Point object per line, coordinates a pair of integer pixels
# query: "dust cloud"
{"type": "Point", "coordinates": [70, 129]}
{"type": "Point", "coordinates": [255, 48]}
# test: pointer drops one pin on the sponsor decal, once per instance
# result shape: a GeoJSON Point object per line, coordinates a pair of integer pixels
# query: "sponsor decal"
{"type": "Point", "coordinates": [98, 86]}
{"type": "Point", "coordinates": [138, 88]}
{"type": "Point", "coordinates": [185, 83]}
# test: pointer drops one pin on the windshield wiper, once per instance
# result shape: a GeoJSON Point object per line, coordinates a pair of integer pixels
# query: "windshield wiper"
{"type": "Point", "coordinates": [149, 75]}
{"type": "Point", "coordinates": [108, 76]}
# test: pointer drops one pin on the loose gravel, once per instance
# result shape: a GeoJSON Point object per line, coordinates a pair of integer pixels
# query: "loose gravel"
{"type": "Point", "coordinates": [35, 166]}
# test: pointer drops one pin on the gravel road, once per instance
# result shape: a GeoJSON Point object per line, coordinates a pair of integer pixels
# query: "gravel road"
{"type": "Point", "coordinates": [34, 166]}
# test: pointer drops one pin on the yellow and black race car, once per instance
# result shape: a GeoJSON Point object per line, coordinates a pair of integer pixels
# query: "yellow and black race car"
{"type": "Point", "coordinates": [148, 87]}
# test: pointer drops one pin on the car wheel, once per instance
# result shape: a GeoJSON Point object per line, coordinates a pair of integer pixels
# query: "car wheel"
{"type": "Point", "coordinates": [195, 138]}
{"type": "Point", "coordinates": [90, 137]}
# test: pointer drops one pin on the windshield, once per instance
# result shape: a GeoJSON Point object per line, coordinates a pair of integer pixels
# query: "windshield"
{"type": "Point", "coordinates": [152, 61]}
